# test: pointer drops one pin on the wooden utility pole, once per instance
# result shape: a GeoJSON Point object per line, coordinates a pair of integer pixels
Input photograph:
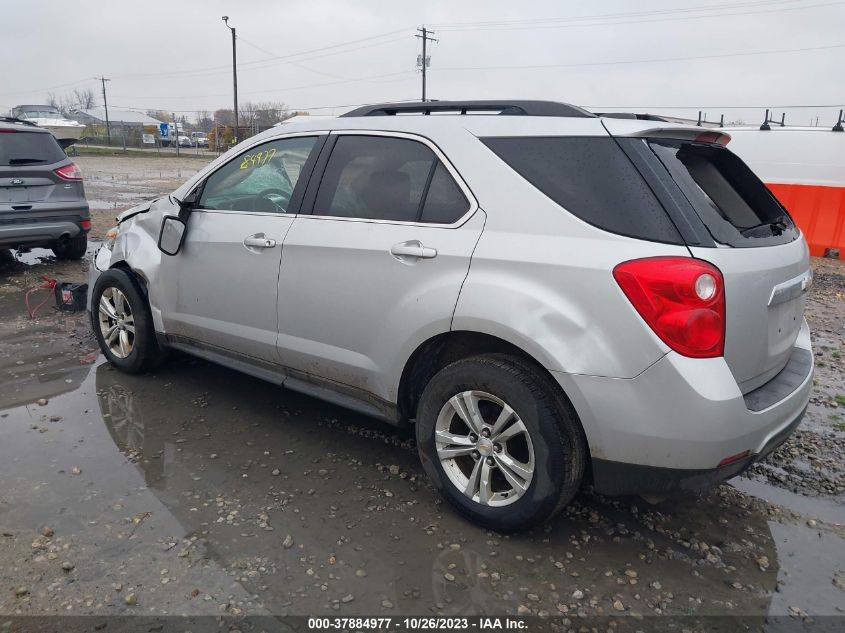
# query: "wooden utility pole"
{"type": "Point", "coordinates": [106, 107]}
{"type": "Point", "coordinates": [234, 72]}
{"type": "Point", "coordinates": [423, 61]}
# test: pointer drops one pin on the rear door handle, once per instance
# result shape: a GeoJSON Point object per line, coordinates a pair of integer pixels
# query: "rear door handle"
{"type": "Point", "coordinates": [254, 241]}
{"type": "Point", "coordinates": [412, 249]}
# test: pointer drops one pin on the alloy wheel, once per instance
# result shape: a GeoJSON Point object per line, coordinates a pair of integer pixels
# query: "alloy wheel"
{"type": "Point", "coordinates": [117, 323]}
{"type": "Point", "coordinates": [484, 448]}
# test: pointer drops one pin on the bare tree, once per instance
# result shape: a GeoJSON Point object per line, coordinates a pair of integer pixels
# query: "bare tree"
{"type": "Point", "coordinates": [271, 112]}
{"type": "Point", "coordinates": [84, 98]}
{"type": "Point", "coordinates": [79, 99]}
{"type": "Point", "coordinates": [204, 120]}
{"type": "Point", "coordinates": [224, 116]}
{"type": "Point", "coordinates": [160, 115]}
{"type": "Point", "coordinates": [247, 113]}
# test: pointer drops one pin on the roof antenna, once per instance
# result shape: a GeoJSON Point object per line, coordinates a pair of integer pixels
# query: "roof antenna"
{"type": "Point", "coordinates": [838, 126]}
{"type": "Point", "coordinates": [722, 120]}
{"type": "Point", "coordinates": [699, 119]}
{"type": "Point", "coordinates": [782, 118]}
{"type": "Point", "coordinates": [765, 126]}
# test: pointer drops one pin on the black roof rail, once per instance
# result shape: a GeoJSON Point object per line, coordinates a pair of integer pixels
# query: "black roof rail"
{"type": "Point", "coordinates": [11, 119]}
{"type": "Point", "coordinates": [632, 115]}
{"type": "Point", "coordinates": [516, 108]}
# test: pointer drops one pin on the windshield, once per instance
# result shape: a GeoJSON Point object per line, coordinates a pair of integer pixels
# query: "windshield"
{"type": "Point", "coordinates": [40, 114]}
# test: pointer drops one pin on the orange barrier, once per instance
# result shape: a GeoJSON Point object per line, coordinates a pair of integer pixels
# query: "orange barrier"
{"type": "Point", "coordinates": [818, 211]}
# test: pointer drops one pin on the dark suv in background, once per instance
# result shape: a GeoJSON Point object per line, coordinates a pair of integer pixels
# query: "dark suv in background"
{"type": "Point", "coordinates": [42, 200]}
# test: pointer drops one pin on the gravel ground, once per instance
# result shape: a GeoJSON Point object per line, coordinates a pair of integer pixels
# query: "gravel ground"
{"type": "Point", "coordinates": [198, 491]}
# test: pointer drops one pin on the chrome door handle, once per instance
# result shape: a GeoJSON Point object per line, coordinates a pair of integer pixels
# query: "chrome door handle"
{"type": "Point", "coordinates": [259, 242]}
{"type": "Point", "coordinates": [413, 248]}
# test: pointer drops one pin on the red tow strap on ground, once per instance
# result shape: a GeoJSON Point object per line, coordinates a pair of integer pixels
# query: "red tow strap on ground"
{"type": "Point", "coordinates": [49, 284]}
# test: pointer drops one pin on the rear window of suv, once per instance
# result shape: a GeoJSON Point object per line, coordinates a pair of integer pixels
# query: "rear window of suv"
{"type": "Point", "coordinates": [28, 148]}
{"type": "Point", "coordinates": [592, 178]}
{"type": "Point", "coordinates": [733, 204]}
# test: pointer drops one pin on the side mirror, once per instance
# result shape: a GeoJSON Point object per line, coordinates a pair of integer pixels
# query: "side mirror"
{"type": "Point", "coordinates": [172, 235]}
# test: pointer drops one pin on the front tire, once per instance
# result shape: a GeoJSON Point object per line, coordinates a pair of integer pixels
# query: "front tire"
{"type": "Point", "coordinates": [122, 323]}
{"type": "Point", "coordinates": [73, 248]}
{"type": "Point", "coordinates": [500, 441]}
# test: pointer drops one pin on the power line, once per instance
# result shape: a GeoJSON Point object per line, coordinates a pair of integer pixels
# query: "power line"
{"type": "Point", "coordinates": [287, 88]}
{"type": "Point", "coordinates": [643, 61]}
{"type": "Point", "coordinates": [400, 76]}
{"type": "Point", "coordinates": [276, 58]}
{"type": "Point", "coordinates": [621, 15]}
{"type": "Point", "coordinates": [622, 18]}
{"type": "Point", "coordinates": [24, 92]}
{"type": "Point", "coordinates": [309, 69]}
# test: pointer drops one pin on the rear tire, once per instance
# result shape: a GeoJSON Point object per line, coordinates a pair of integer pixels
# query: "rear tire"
{"type": "Point", "coordinates": [534, 469]}
{"type": "Point", "coordinates": [74, 248]}
{"type": "Point", "coordinates": [123, 324]}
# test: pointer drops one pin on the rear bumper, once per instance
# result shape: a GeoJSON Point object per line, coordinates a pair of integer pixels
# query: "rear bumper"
{"type": "Point", "coordinates": [619, 478]}
{"type": "Point", "coordinates": [41, 225]}
{"type": "Point", "coordinates": [670, 427]}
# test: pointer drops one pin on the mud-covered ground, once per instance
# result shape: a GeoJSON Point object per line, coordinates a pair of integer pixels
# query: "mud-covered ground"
{"type": "Point", "coordinates": [199, 491]}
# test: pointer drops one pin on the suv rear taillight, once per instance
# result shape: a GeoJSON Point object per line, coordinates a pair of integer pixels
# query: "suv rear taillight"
{"type": "Point", "coordinates": [69, 172]}
{"type": "Point", "coordinates": [682, 300]}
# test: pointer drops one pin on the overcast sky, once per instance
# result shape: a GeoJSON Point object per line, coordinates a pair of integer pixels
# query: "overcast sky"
{"type": "Point", "coordinates": [650, 55]}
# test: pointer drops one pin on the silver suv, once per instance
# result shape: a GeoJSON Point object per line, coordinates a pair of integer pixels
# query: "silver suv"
{"type": "Point", "coordinates": [550, 297]}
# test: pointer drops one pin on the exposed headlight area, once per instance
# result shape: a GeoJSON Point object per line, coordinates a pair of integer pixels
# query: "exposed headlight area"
{"type": "Point", "coordinates": [111, 236]}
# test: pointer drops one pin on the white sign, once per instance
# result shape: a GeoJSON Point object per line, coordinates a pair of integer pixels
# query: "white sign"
{"type": "Point", "coordinates": [148, 139]}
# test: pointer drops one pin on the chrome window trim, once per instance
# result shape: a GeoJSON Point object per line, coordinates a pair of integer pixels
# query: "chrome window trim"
{"type": "Point", "coordinates": [473, 203]}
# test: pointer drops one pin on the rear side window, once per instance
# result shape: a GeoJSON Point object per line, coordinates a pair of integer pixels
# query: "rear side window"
{"type": "Point", "coordinates": [445, 203]}
{"type": "Point", "coordinates": [734, 205]}
{"type": "Point", "coordinates": [593, 179]}
{"type": "Point", "coordinates": [383, 178]}
{"type": "Point", "coordinates": [29, 148]}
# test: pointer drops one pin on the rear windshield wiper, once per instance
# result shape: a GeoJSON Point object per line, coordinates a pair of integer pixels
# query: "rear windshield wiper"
{"type": "Point", "coordinates": [26, 161]}
{"type": "Point", "coordinates": [777, 225]}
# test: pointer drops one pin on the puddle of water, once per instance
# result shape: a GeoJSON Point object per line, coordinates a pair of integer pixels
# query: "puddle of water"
{"type": "Point", "coordinates": [830, 511]}
{"type": "Point", "coordinates": [241, 464]}
{"type": "Point", "coordinates": [810, 563]}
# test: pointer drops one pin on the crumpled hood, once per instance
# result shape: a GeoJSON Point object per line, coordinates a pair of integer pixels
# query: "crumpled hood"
{"type": "Point", "coordinates": [143, 208]}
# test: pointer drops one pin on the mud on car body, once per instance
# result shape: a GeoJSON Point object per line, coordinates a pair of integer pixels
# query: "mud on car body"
{"type": "Point", "coordinates": [549, 296]}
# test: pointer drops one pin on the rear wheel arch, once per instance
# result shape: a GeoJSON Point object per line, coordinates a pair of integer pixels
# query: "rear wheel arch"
{"type": "Point", "coordinates": [439, 351]}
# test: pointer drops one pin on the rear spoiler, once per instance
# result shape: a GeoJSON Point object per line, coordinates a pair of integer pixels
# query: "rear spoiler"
{"type": "Point", "coordinates": [637, 129]}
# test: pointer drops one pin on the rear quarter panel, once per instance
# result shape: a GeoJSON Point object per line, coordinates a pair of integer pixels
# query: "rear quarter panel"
{"type": "Point", "coordinates": [541, 278]}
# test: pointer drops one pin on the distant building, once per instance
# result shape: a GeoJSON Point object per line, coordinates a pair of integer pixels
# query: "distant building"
{"type": "Point", "coordinates": [126, 126]}
{"type": "Point", "coordinates": [129, 118]}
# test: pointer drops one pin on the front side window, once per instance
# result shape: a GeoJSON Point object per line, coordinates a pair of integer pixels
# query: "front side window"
{"type": "Point", "coordinates": [261, 179]}
{"type": "Point", "coordinates": [382, 178]}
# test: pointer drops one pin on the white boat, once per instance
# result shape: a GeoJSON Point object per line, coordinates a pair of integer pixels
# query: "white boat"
{"type": "Point", "coordinates": [67, 132]}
